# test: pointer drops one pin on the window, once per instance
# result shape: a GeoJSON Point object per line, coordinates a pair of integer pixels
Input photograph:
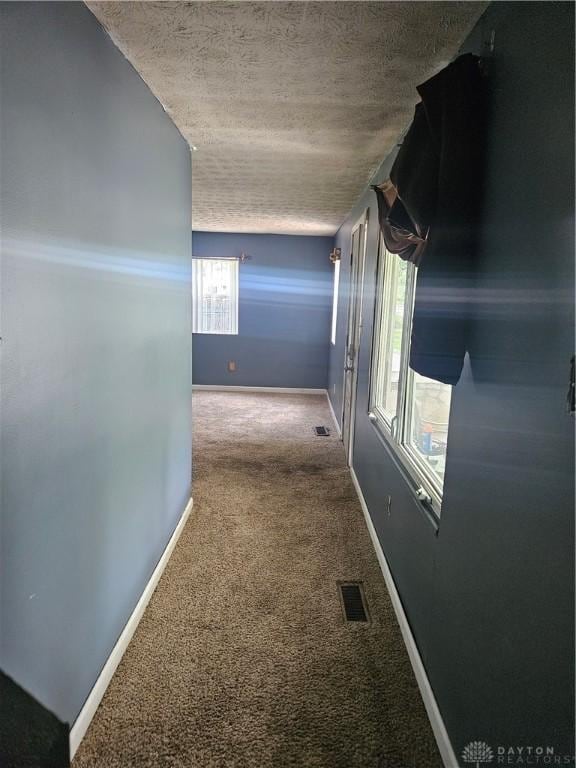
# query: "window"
{"type": "Point", "coordinates": [215, 296]}
{"type": "Point", "coordinates": [392, 290]}
{"type": "Point", "coordinates": [335, 300]}
{"type": "Point", "coordinates": [409, 410]}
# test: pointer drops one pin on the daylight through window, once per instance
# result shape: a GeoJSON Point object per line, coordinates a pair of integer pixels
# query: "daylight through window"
{"type": "Point", "coordinates": [215, 296]}
{"type": "Point", "coordinates": [335, 300]}
{"type": "Point", "coordinates": [410, 411]}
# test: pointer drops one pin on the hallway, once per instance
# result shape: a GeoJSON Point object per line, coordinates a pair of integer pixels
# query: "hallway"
{"type": "Point", "coordinates": [242, 657]}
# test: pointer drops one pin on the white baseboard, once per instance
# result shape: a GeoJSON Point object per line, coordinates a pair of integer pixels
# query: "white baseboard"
{"type": "Point", "coordinates": [333, 415]}
{"type": "Point", "coordinates": [88, 711]}
{"type": "Point", "coordinates": [277, 390]}
{"type": "Point", "coordinates": [436, 721]}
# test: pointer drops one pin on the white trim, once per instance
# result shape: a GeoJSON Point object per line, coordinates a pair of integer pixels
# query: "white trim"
{"type": "Point", "coordinates": [333, 415]}
{"type": "Point", "coordinates": [355, 299]}
{"type": "Point", "coordinates": [278, 390]}
{"type": "Point", "coordinates": [434, 715]}
{"type": "Point", "coordinates": [88, 711]}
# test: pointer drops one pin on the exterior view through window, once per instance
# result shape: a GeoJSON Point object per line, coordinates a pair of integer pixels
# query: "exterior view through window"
{"type": "Point", "coordinates": [410, 411]}
{"type": "Point", "coordinates": [215, 296]}
{"type": "Point", "coordinates": [335, 300]}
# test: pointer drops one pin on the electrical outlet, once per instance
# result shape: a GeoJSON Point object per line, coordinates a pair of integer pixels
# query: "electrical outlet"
{"type": "Point", "coordinates": [231, 366]}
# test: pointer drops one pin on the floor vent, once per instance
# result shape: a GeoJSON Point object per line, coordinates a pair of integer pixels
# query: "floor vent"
{"type": "Point", "coordinates": [322, 431]}
{"type": "Point", "coordinates": [353, 601]}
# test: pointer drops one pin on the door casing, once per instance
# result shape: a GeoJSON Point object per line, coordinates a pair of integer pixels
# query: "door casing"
{"type": "Point", "coordinates": [354, 332]}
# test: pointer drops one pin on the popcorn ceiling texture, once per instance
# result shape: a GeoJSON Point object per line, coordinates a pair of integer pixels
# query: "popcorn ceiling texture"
{"type": "Point", "coordinates": [292, 105]}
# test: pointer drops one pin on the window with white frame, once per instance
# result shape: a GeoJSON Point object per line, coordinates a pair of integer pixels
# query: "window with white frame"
{"type": "Point", "coordinates": [215, 296]}
{"type": "Point", "coordinates": [335, 300]}
{"type": "Point", "coordinates": [411, 411]}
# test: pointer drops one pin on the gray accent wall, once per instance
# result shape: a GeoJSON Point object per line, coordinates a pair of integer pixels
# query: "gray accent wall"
{"type": "Point", "coordinates": [95, 203]}
{"type": "Point", "coordinates": [490, 594]}
{"type": "Point", "coordinates": [285, 311]}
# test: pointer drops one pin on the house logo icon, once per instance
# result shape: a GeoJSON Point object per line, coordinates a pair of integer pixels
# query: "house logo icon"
{"type": "Point", "coordinates": [478, 753]}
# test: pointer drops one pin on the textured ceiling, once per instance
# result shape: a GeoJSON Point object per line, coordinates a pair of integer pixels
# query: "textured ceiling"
{"type": "Point", "coordinates": [292, 105]}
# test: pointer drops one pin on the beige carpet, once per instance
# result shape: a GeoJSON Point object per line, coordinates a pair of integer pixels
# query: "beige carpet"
{"type": "Point", "coordinates": [242, 659]}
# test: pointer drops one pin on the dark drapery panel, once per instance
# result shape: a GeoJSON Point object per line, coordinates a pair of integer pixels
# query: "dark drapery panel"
{"type": "Point", "coordinates": [401, 234]}
{"type": "Point", "coordinates": [430, 217]}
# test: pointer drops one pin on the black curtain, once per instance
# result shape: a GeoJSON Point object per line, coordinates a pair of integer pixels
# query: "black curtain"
{"type": "Point", "coordinates": [429, 213]}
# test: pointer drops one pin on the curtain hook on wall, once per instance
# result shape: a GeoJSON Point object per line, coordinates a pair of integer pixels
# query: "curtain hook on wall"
{"type": "Point", "coordinates": [488, 48]}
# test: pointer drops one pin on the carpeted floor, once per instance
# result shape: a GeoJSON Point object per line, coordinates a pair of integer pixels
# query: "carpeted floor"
{"type": "Point", "coordinates": [243, 659]}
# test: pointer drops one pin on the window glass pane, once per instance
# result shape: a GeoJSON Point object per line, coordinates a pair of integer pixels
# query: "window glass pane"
{"type": "Point", "coordinates": [391, 326]}
{"type": "Point", "coordinates": [215, 295]}
{"type": "Point", "coordinates": [335, 300]}
{"type": "Point", "coordinates": [397, 326]}
{"type": "Point", "coordinates": [413, 410]}
{"type": "Point", "coordinates": [428, 411]}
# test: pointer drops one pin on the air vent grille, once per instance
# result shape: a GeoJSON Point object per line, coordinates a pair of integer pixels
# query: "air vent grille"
{"type": "Point", "coordinates": [353, 601]}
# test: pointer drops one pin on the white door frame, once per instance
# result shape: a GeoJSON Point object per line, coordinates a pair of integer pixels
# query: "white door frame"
{"type": "Point", "coordinates": [356, 289]}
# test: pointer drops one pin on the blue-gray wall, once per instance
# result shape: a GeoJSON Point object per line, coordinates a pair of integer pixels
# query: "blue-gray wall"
{"type": "Point", "coordinates": [285, 312]}
{"type": "Point", "coordinates": [96, 371]}
{"type": "Point", "coordinates": [490, 596]}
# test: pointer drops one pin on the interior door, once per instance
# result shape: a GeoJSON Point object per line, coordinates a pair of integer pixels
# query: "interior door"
{"type": "Point", "coordinates": [353, 334]}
